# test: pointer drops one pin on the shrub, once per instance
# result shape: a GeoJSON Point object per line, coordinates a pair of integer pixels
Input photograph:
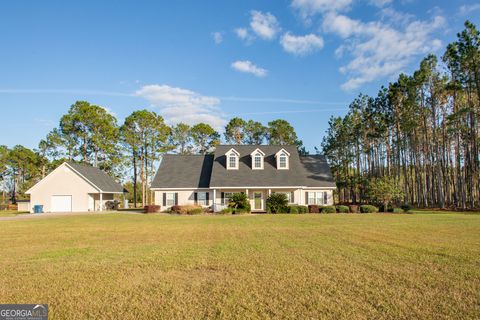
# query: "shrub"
{"type": "Point", "coordinates": [293, 209]}
{"type": "Point", "coordinates": [193, 211]}
{"type": "Point", "coordinates": [397, 210]}
{"type": "Point", "coordinates": [113, 205]}
{"type": "Point", "coordinates": [302, 209]}
{"type": "Point", "coordinates": [277, 203]}
{"type": "Point", "coordinates": [343, 209]}
{"type": "Point", "coordinates": [176, 209]}
{"type": "Point", "coordinates": [184, 209]}
{"type": "Point", "coordinates": [353, 208]}
{"type": "Point", "coordinates": [368, 209]}
{"type": "Point", "coordinates": [406, 207]}
{"type": "Point", "coordinates": [382, 208]}
{"type": "Point", "coordinates": [239, 201]}
{"type": "Point", "coordinates": [329, 209]}
{"type": "Point", "coordinates": [226, 211]}
{"type": "Point", "coordinates": [313, 208]}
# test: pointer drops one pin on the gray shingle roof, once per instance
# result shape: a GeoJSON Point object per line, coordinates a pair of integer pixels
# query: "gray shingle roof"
{"type": "Point", "coordinates": [204, 171]}
{"type": "Point", "coordinates": [184, 171]}
{"type": "Point", "coordinates": [97, 177]}
{"type": "Point", "coordinates": [310, 171]}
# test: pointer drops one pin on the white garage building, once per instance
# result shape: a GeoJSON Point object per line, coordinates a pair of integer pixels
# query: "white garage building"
{"type": "Point", "coordinates": [74, 187]}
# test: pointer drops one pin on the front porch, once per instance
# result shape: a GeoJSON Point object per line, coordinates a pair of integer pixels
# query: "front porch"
{"type": "Point", "coordinates": [257, 197]}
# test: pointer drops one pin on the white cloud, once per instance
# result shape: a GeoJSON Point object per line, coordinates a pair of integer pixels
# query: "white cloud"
{"type": "Point", "coordinates": [264, 25]}
{"type": "Point", "coordinates": [247, 66]}
{"type": "Point", "coordinates": [308, 8]}
{"type": "Point", "coordinates": [466, 9]}
{"type": "Point", "coordinates": [301, 45]}
{"type": "Point", "coordinates": [380, 3]}
{"type": "Point", "coordinates": [244, 34]}
{"type": "Point", "coordinates": [183, 105]}
{"type": "Point", "coordinates": [378, 49]}
{"type": "Point", "coordinates": [217, 37]}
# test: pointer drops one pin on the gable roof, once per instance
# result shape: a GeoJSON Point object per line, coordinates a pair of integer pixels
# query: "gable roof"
{"type": "Point", "coordinates": [97, 177]}
{"type": "Point", "coordinates": [91, 175]}
{"type": "Point", "coordinates": [309, 171]}
{"type": "Point", "coordinates": [184, 171]}
{"type": "Point", "coordinates": [209, 171]}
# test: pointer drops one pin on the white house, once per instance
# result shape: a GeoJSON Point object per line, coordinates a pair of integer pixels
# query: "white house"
{"type": "Point", "coordinates": [74, 187]}
{"type": "Point", "coordinates": [256, 170]}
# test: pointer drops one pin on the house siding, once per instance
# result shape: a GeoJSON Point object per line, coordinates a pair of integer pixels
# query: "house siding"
{"type": "Point", "coordinates": [185, 197]}
{"type": "Point", "coordinates": [62, 182]}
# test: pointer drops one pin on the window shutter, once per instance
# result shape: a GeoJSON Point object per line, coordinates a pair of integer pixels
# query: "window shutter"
{"type": "Point", "coordinates": [325, 198]}
{"type": "Point", "coordinates": [223, 197]}
{"type": "Point", "coordinates": [164, 199]}
{"type": "Point", "coordinates": [306, 198]}
{"type": "Point", "coordinates": [176, 198]}
{"type": "Point", "coordinates": [195, 198]}
{"type": "Point", "coordinates": [292, 197]}
{"type": "Point", "coordinates": [207, 197]}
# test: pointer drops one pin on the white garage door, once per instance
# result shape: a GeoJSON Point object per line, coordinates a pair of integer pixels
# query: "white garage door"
{"type": "Point", "coordinates": [61, 203]}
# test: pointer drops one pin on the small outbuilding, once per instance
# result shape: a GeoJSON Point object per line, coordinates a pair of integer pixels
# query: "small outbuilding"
{"type": "Point", "coordinates": [23, 206]}
{"type": "Point", "coordinates": [74, 187]}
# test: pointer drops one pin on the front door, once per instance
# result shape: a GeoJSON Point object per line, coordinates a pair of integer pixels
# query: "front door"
{"type": "Point", "coordinates": [258, 201]}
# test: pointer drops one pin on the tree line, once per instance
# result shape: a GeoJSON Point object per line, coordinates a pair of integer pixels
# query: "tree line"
{"type": "Point", "coordinates": [418, 137]}
{"type": "Point", "coordinates": [129, 151]}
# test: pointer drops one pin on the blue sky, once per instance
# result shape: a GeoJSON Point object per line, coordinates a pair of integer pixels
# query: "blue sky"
{"type": "Point", "coordinates": [301, 60]}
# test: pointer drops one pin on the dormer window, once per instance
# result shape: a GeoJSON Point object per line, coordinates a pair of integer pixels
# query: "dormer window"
{"type": "Point", "coordinates": [232, 159]}
{"type": "Point", "coordinates": [283, 158]}
{"type": "Point", "coordinates": [283, 161]}
{"type": "Point", "coordinates": [257, 159]}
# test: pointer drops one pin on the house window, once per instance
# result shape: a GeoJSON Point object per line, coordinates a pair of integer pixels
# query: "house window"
{"type": "Point", "coordinates": [227, 196]}
{"type": "Point", "coordinates": [170, 197]}
{"type": "Point", "coordinates": [318, 198]}
{"type": "Point", "coordinates": [232, 161]}
{"type": "Point", "coordinates": [202, 199]}
{"type": "Point", "coordinates": [258, 161]}
{"type": "Point", "coordinates": [283, 161]}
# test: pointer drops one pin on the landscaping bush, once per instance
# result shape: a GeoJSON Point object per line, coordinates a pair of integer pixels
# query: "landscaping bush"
{"type": "Point", "coordinates": [184, 209]}
{"type": "Point", "coordinates": [328, 209]}
{"type": "Point", "coordinates": [313, 208]}
{"type": "Point", "coordinates": [368, 209]}
{"type": "Point", "coordinates": [397, 210]}
{"type": "Point", "coordinates": [239, 201]}
{"type": "Point", "coordinates": [382, 208]}
{"type": "Point", "coordinates": [302, 209]}
{"type": "Point", "coordinates": [406, 207]}
{"type": "Point", "coordinates": [113, 205]}
{"type": "Point", "coordinates": [277, 203]}
{"type": "Point", "coordinates": [194, 211]}
{"type": "Point", "coordinates": [353, 208]}
{"type": "Point", "coordinates": [293, 209]}
{"type": "Point", "coordinates": [226, 211]}
{"type": "Point", "coordinates": [343, 209]}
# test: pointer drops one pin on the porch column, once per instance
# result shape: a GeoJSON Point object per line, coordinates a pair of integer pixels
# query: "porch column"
{"type": "Point", "coordinates": [101, 201]}
{"type": "Point", "coordinates": [269, 192]}
{"type": "Point", "coordinates": [214, 206]}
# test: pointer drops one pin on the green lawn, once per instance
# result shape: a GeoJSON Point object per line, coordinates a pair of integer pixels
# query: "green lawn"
{"type": "Point", "coordinates": [124, 266]}
{"type": "Point", "coordinates": [11, 213]}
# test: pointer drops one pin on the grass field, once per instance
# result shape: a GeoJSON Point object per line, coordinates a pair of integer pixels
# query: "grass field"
{"type": "Point", "coordinates": [420, 266]}
{"type": "Point", "coordinates": [11, 213]}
